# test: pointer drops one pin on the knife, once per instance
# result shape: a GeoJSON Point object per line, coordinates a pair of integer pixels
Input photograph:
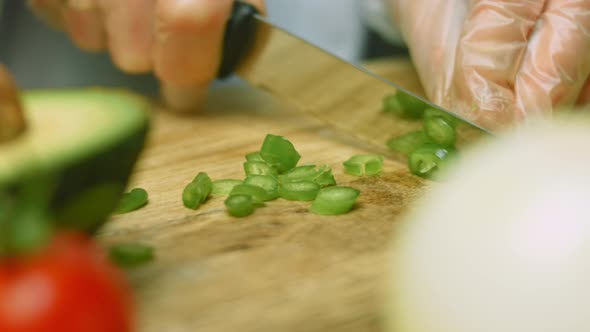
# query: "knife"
{"type": "Point", "coordinates": [343, 96]}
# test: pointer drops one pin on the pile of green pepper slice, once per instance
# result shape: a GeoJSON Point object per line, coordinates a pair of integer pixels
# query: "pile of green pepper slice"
{"type": "Point", "coordinates": [430, 149]}
{"type": "Point", "coordinates": [273, 173]}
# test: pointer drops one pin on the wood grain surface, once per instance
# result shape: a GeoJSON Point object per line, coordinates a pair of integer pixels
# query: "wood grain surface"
{"type": "Point", "coordinates": [280, 269]}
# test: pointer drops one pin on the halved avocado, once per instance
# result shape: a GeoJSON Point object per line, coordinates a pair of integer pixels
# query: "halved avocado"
{"type": "Point", "coordinates": [79, 150]}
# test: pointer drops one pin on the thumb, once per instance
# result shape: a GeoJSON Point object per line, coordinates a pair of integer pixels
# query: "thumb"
{"type": "Point", "coordinates": [189, 48]}
{"type": "Point", "coordinates": [184, 99]}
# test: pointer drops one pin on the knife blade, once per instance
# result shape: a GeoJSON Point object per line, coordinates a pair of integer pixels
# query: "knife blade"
{"type": "Point", "coordinates": [342, 95]}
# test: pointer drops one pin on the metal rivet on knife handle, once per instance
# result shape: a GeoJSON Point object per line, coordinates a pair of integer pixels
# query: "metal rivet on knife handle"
{"type": "Point", "coordinates": [239, 37]}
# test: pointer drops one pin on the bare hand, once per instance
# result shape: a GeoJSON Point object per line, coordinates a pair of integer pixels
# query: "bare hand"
{"type": "Point", "coordinates": [180, 41]}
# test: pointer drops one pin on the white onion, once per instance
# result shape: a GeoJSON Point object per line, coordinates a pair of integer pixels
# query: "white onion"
{"type": "Point", "coordinates": [504, 246]}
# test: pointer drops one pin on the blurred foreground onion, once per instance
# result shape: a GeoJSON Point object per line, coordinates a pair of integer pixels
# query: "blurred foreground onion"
{"type": "Point", "coordinates": [505, 244]}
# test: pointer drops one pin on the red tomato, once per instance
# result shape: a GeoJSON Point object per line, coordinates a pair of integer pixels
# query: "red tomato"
{"type": "Point", "coordinates": [68, 287]}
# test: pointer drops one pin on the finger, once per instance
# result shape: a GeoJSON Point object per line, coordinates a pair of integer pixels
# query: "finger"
{"type": "Point", "coordinates": [188, 46]}
{"type": "Point", "coordinates": [189, 35]}
{"type": "Point", "coordinates": [130, 29]}
{"type": "Point", "coordinates": [189, 39]}
{"type": "Point", "coordinates": [493, 41]}
{"type": "Point", "coordinates": [186, 98]}
{"type": "Point", "coordinates": [12, 121]}
{"type": "Point", "coordinates": [556, 64]}
{"type": "Point", "coordinates": [83, 23]}
{"type": "Point", "coordinates": [48, 10]}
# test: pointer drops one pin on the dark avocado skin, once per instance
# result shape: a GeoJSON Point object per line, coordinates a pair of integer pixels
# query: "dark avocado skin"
{"type": "Point", "coordinates": [111, 167]}
{"type": "Point", "coordinates": [82, 193]}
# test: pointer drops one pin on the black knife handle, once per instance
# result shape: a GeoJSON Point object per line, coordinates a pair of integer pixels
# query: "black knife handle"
{"type": "Point", "coordinates": [240, 33]}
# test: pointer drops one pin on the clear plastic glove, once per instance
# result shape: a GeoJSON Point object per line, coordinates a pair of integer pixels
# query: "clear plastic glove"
{"type": "Point", "coordinates": [180, 41]}
{"type": "Point", "coordinates": [498, 62]}
{"type": "Point", "coordinates": [12, 121]}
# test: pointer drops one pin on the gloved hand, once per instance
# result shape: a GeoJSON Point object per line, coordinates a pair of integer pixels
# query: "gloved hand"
{"type": "Point", "coordinates": [498, 62]}
{"type": "Point", "coordinates": [12, 121]}
{"type": "Point", "coordinates": [179, 40]}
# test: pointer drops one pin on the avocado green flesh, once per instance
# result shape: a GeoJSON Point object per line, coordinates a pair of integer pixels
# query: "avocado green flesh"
{"type": "Point", "coordinates": [84, 143]}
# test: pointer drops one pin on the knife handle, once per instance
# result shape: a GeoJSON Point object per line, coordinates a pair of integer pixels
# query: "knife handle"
{"type": "Point", "coordinates": [240, 33]}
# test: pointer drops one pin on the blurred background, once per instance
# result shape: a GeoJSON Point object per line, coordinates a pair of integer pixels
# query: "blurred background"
{"type": "Point", "coordinates": [40, 57]}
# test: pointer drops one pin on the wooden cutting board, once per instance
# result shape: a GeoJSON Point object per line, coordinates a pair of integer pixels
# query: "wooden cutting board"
{"type": "Point", "coordinates": [280, 269]}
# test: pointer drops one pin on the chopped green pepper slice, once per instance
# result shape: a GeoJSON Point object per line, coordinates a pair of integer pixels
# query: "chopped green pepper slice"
{"type": "Point", "coordinates": [131, 254]}
{"type": "Point", "coordinates": [373, 167]}
{"type": "Point", "coordinates": [322, 175]}
{"type": "Point", "coordinates": [192, 196]}
{"type": "Point", "coordinates": [259, 168]}
{"type": "Point", "coordinates": [197, 192]}
{"type": "Point", "coordinates": [365, 164]}
{"type": "Point", "coordinates": [430, 113]}
{"type": "Point", "coordinates": [391, 104]}
{"type": "Point", "coordinates": [335, 200]}
{"type": "Point", "coordinates": [325, 177]}
{"type": "Point", "coordinates": [404, 105]}
{"type": "Point", "coordinates": [268, 183]}
{"type": "Point", "coordinates": [440, 127]}
{"type": "Point", "coordinates": [299, 191]}
{"type": "Point", "coordinates": [279, 152]}
{"type": "Point", "coordinates": [258, 194]}
{"type": "Point", "coordinates": [428, 160]}
{"type": "Point", "coordinates": [204, 181]}
{"type": "Point", "coordinates": [132, 201]}
{"type": "Point", "coordinates": [254, 156]}
{"type": "Point", "coordinates": [407, 143]}
{"type": "Point", "coordinates": [300, 173]}
{"type": "Point", "coordinates": [240, 205]}
{"type": "Point", "coordinates": [440, 131]}
{"type": "Point", "coordinates": [224, 186]}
